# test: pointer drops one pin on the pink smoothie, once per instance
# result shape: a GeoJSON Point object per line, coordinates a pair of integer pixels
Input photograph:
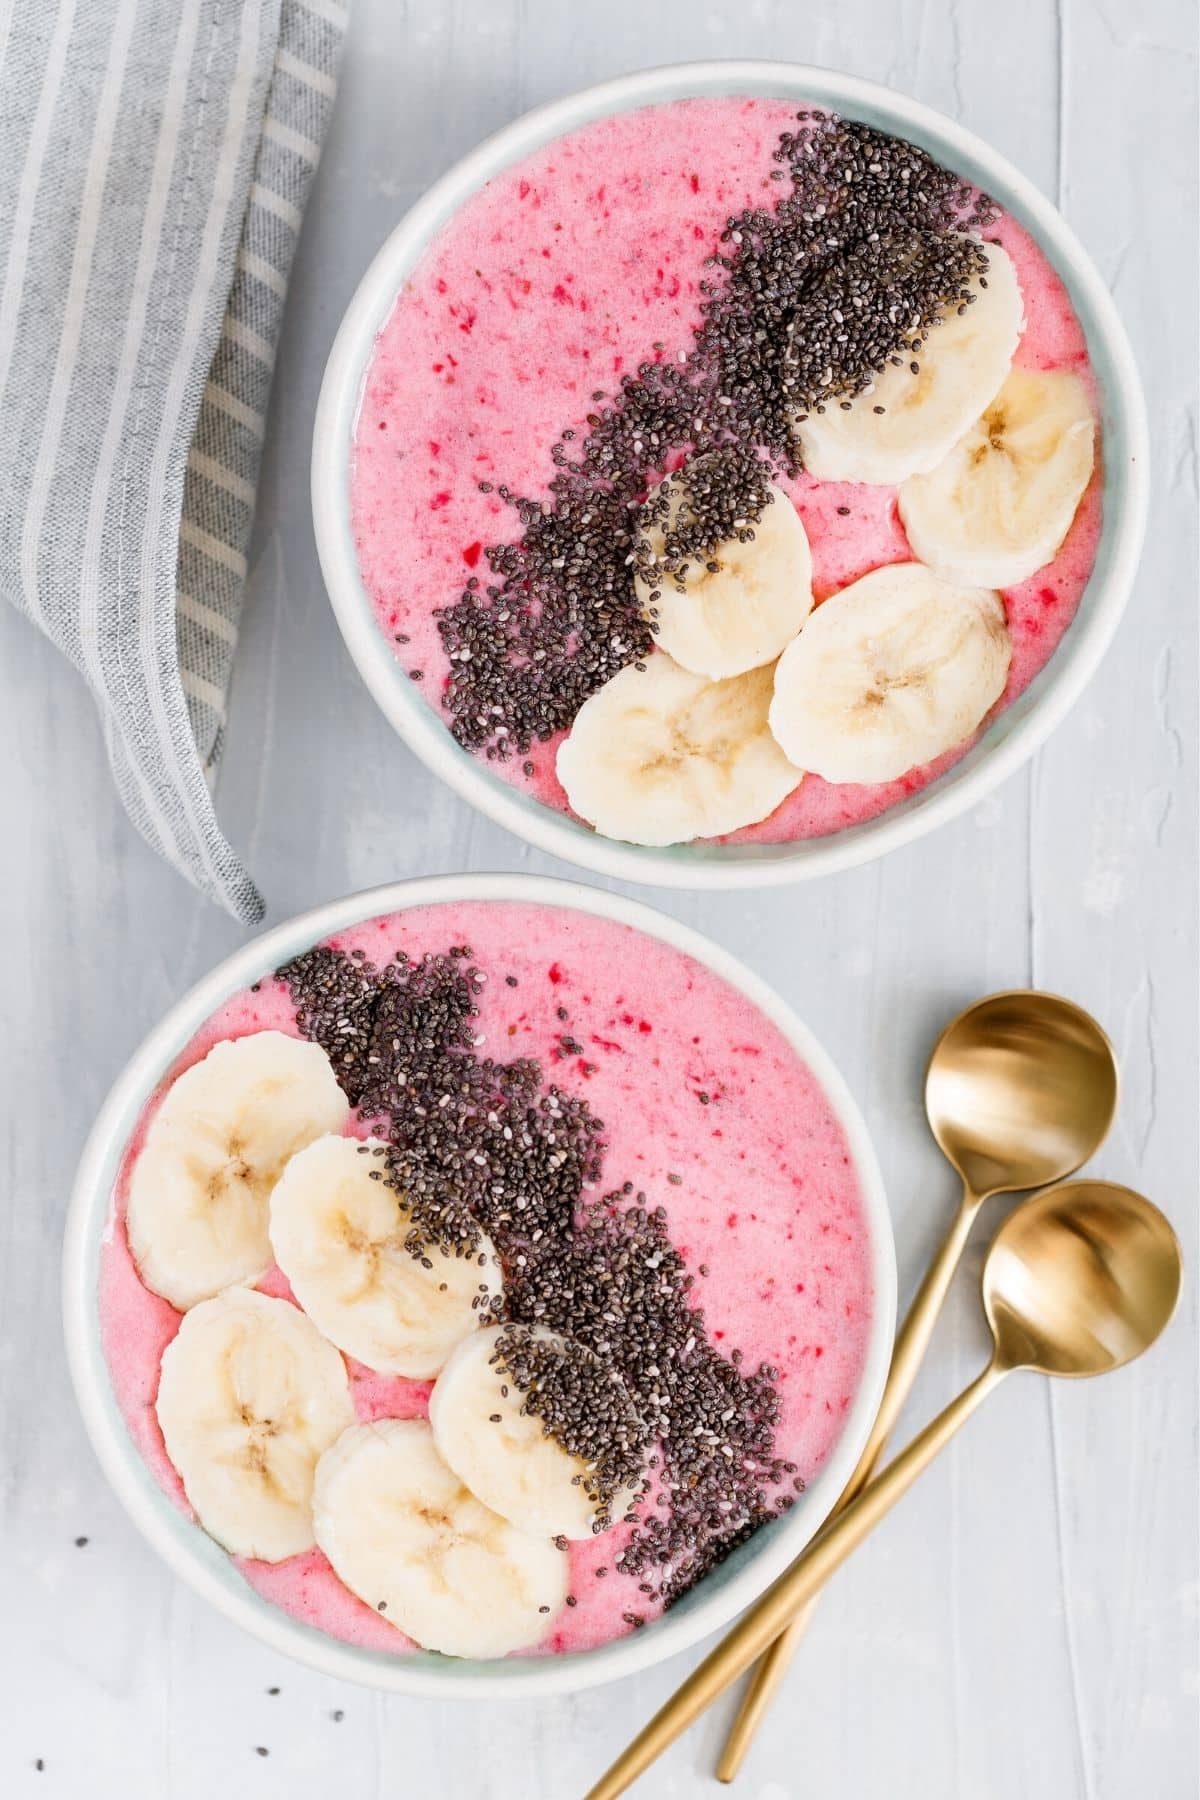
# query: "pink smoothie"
{"type": "Point", "coordinates": [563, 272]}
{"type": "Point", "coordinates": [758, 1184]}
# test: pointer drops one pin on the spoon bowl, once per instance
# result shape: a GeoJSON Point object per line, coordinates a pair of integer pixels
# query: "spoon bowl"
{"type": "Point", "coordinates": [1020, 1090]}
{"type": "Point", "coordinates": [1080, 1280]}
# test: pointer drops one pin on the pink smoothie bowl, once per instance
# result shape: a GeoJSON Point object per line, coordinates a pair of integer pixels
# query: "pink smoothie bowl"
{"type": "Point", "coordinates": [1007, 741]}
{"type": "Point", "coordinates": [198, 1560]}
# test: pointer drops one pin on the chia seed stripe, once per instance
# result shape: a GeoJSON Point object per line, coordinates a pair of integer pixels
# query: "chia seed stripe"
{"type": "Point", "coordinates": [807, 302]}
{"type": "Point", "coordinates": [477, 1146]}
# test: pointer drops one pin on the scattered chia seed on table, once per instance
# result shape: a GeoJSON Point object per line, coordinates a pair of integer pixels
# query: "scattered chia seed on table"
{"type": "Point", "coordinates": [809, 301]}
{"type": "Point", "coordinates": [477, 1146]}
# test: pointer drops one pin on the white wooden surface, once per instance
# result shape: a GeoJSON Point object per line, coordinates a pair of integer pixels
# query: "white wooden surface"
{"type": "Point", "coordinates": [1025, 1628]}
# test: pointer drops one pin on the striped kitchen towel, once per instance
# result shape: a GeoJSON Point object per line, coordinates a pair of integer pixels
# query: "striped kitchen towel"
{"type": "Point", "coordinates": [155, 160]}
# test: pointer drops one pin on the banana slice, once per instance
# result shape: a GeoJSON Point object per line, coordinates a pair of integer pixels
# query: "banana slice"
{"type": "Point", "coordinates": [888, 674]}
{"type": "Point", "coordinates": [250, 1396]}
{"type": "Point", "coordinates": [197, 1213]}
{"type": "Point", "coordinates": [960, 368]}
{"type": "Point", "coordinates": [661, 756]}
{"type": "Point", "coordinates": [338, 1232]}
{"type": "Point", "coordinates": [404, 1535]}
{"type": "Point", "coordinates": [503, 1453]}
{"type": "Point", "coordinates": [999, 506]}
{"type": "Point", "coordinates": [740, 614]}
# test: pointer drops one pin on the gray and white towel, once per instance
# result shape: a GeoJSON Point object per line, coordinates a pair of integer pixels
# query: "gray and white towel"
{"type": "Point", "coordinates": [155, 161]}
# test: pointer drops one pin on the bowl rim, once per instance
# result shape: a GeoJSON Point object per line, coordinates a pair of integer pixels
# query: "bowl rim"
{"type": "Point", "coordinates": [181, 1542]}
{"type": "Point", "coordinates": [1008, 742]}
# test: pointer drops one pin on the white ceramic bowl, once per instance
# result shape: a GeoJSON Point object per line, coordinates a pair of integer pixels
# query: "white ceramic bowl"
{"type": "Point", "coordinates": [1009, 740]}
{"type": "Point", "coordinates": [204, 1565]}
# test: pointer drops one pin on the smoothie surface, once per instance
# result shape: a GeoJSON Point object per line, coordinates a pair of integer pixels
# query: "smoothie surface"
{"type": "Point", "coordinates": [706, 1107]}
{"type": "Point", "coordinates": [564, 272]}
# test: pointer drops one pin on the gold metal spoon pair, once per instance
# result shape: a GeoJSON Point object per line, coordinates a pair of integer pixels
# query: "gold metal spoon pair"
{"type": "Point", "coordinates": [1020, 1091]}
{"type": "Point", "coordinates": [1080, 1279]}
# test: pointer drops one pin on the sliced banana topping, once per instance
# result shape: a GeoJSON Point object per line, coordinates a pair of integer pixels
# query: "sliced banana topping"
{"type": "Point", "coordinates": [197, 1212]}
{"type": "Point", "coordinates": [959, 369]}
{"type": "Point", "coordinates": [890, 673]}
{"type": "Point", "coordinates": [736, 609]}
{"type": "Point", "coordinates": [998, 507]}
{"type": "Point", "coordinates": [661, 756]}
{"type": "Point", "coordinates": [339, 1233]}
{"type": "Point", "coordinates": [249, 1397]}
{"type": "Point", "coordinates": [503, 1451]}
{"type": "Point", "coordinates": [404, 1534]}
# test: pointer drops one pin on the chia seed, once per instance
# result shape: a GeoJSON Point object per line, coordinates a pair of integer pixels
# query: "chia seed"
{"type": "Point", "coordinates": [474, 1145]}
{"type": "Point", "coordinates": [804, 304]}
{"type": "Point", "coordinates": [585, 1406]}
{"type": "Point", "coordinates": [664, 1421]}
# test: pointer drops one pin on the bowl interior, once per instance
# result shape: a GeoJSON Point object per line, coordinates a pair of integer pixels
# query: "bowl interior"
{"type": "Point", "coordinates": [204, 1565]}
{"type": "Point", "coordinates": [1007, 741]}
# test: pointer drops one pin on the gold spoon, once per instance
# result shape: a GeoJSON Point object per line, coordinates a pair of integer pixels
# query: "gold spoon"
{"type": "Point", "coordinates": [1021, 1090]}
{"type": "Point", "coordinates": [1079, 1280]}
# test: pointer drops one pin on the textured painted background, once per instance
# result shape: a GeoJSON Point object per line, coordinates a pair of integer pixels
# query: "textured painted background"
{"type": "Point", "coordinates": [1025, 1628]}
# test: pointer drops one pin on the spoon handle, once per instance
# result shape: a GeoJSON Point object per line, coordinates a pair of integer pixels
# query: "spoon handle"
{"type": "Point", "coordinates": [912, 1341]}
{"type": "Point", "coordinates": [807, 1575]}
